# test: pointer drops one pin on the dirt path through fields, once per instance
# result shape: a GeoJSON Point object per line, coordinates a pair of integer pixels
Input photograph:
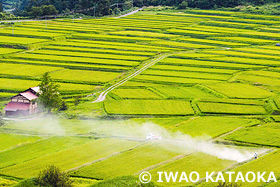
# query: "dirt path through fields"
{"type": "Point", "coordinates": [130, 13]}
{"type": "Point", "coordinates": [103, 94]}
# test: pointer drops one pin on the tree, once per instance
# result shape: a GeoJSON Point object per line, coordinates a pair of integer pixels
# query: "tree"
{"type": "Point", "coordinates": [36, 11]}
{"type": "Point", "coordinates": [53, 177]}
{"type": "Point", "coordinates": [183, 5]}
{"type": "Point", "coordinates": [116, 11]}
{"type": "Point", "coordinates": [1, 7]}
{"type": "Point", "coordinates": [49, 10]}
{"type": "Point", "coordinates": [104, 7]}
{"type": "Point", "coordinates": [49, 96]}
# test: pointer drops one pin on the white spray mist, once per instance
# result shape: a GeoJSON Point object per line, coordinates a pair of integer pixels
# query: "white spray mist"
{"type": "Point", "coordinates": [183, 143]}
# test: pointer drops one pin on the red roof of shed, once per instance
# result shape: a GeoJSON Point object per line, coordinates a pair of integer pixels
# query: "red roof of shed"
{"type": "Point", "coordinates": [29, 95]}
{"type": "Point", "coordinates": [14, 106]}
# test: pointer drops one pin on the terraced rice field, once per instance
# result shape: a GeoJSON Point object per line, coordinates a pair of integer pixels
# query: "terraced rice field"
{"type": "Point", "coordinates": [8, 50]}
{"type": "Point", "coordinates": [13, 140]}
{"type": "Point", "coordinates": [212, 76]}
{"type": "Point", "coordinates": [7, 182]}
{"type": "Point", "coordinates": [85, 76]}
{"type": "Point", "coordinates": [135, 94]}
{"type": "Point", "coordinates": [81, 154]}
{"type": "Point", "coordinates": [25, 70]}
{"type": "Point", "coordinates": [14, 85]}
{"type": "Point", "coordinates": [212, 126]}
{"type": "Point", "coordinates": [152, 154]}
{"type": "Point", "coordinates": [263, 163]}
{"type": "Point", "coordinates": [229, 108]}
{"type": "Point", "coordinates": [182, 92]}
{"type": "Point", "coordinates": [30, 33]}
{"type": "Point", "coordinates": [258, 135]}
{"type": "Point", "coordinates": [237, 90]}
{"type": "Point", "coordinates": [20, 41]}
{"type": "Point", "coordinates": [153, 107]}
{"type": "Point", "coordinates": [193, 162]}
{"type": "Point", "coordinates": [29, 151]}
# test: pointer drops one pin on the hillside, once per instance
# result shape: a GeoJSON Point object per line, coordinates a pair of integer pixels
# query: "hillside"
{"type": "Point", "coordinates": [34, 8]}
{"type": "Point", "coordinates": [205, 81]}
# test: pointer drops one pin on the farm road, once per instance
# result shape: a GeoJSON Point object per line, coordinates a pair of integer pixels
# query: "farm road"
{"type": "Point", "coordinates": [130, 13]}
{"type": "Point", "coordinates": [22, 20]}
{"type": "Point", "coordinates": [103, 94]}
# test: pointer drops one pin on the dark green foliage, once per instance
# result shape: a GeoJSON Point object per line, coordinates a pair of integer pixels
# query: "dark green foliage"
{"type": "Point", "coordinates": [1, 7]}
{"type": "Point", "coordinates": [208, 4]}
{"type": "Point", "coordinates": [205, 4]}
{"type": "Point", "coordinates": [36, 12]}
{"type": "Point", "coordinates": [53, 177]}
{"type": "Point", "coordinates": [49, 10]}
{"type": "Point", "coordinates": [43, 11]}
{"type": "Point", "coordinates": [183, 5]}
{"type": "Point", "coordinates": [51, 7]}
{"type": "Point", "coordinates": [27, 183]}
{"type": "Point", "coordinates": [6, 15]}
{"type": "Point", "coordinates": [63, 106]}
{"type": "Point", "coordinates": [49, 97]}
{"type": "Point", "coordinates": [103, 6]}
{"type": "Point", "coordinates": [267, 8]}
{"type": "Point", "coordinates": [124, 181]}
{"type": "Point", "coordinates": [77, 100]}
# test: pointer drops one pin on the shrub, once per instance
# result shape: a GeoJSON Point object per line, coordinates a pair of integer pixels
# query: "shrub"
{"type": "Point", "coordinates": [63, 106]}
{"type": "Point", "coordinates": [77, 100]}
{"type": "Point", "coordinates": [27, 183]}
{"type": "Point", "coordinates": [53, 177]}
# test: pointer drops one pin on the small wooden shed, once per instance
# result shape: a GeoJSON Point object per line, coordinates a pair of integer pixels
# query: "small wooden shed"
{"type": "Point", "coordinates": [23, 103]}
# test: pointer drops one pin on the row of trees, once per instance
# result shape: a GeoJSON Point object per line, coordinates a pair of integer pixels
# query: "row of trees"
{"type": "Point", "coordinates": [203, 4]}
{"type": "Point", "coordinates": [36, 8]}
{"type": "Point", "coordinates": [42, 10]}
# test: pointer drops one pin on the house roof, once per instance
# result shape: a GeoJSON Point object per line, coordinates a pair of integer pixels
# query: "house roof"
{"type": "Point", "coordinates": [14, 106]}
{"type": "Point", "coordinates": [35, 89]}
{"type": "Point", "coordinates": [29, 95]}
